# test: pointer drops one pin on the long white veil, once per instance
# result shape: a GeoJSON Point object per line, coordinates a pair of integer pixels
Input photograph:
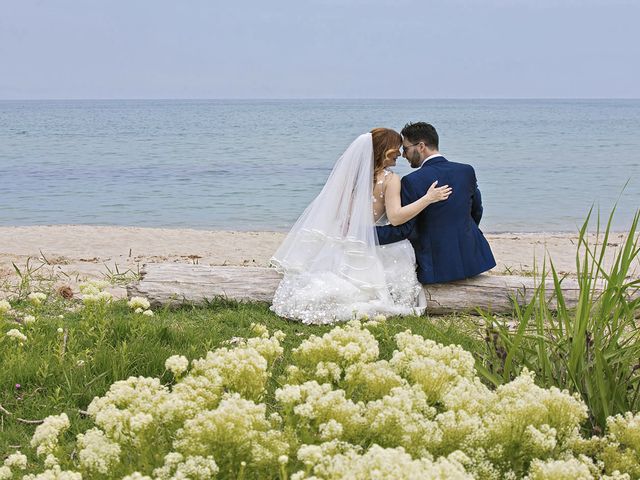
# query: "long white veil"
{"type": "Point", "coordinates": [336, 233]}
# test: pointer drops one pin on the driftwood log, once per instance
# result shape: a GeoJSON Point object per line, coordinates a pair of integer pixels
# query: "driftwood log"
{"type": "Point", "coordinates": [176, 283]}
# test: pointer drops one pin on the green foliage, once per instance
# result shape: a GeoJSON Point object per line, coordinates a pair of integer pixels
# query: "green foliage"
{"type": "Point", "coordinates": [339, 408]}
{"type": "Point", "coordinates": [591, 348]}
{"type": "Point", "coordinates": [396, 391]}
{"type": "Point", "coordinates": [103, 343]}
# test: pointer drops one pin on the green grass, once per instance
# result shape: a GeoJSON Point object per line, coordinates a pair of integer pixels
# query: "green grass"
{"type": "Point", "coordinates": [107, 344]}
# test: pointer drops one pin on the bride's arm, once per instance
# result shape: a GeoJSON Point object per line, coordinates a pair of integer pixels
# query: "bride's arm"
{"type": "Point", "coordinates": [397, 214]}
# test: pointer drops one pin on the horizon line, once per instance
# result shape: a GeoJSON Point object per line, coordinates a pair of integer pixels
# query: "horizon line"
{"type": "Point", "coordinates": [309, 98]}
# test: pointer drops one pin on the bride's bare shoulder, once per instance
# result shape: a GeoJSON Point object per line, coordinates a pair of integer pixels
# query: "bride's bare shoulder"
{"type": "Point", "coordinates": [391, 183]}
{"type": "Point", "coordinates": [393, 177]}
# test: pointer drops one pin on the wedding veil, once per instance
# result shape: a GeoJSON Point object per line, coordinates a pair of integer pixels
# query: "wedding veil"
{"type": "Point", "coordinates": [335, 233]}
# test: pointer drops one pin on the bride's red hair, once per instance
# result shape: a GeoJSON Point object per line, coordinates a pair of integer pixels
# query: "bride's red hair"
{"type": "Point", "coordinates": [386, 143]}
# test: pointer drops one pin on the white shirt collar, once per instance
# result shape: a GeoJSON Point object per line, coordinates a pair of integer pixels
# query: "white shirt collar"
{"type": "Point", "coordinates": [429, 158]}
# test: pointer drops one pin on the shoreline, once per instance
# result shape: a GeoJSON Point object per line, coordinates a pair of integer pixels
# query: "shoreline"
{"type": "Point", "coordinates": [78, 252]}
{"type": "Point", "coordinates": [283, 231]}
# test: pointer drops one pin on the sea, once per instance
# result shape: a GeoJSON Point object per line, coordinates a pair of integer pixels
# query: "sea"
{"type": "Point", "coordinates": [254, 165]}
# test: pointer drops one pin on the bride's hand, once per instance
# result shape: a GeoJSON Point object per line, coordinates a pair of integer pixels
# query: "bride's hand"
{"type": "Point", "coordinates": [437, 194]}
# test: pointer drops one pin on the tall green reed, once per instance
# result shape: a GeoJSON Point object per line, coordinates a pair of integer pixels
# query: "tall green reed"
{"type": "Point", "coordinates": [589, 346]}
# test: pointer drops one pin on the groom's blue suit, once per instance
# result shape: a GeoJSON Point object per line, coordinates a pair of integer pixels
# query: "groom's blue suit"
{"type": "Point", "coordinates": [445, 235]}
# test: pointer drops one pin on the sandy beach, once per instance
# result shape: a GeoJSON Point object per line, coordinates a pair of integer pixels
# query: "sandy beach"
{"type": "Point", "coordinates": [74, 253]}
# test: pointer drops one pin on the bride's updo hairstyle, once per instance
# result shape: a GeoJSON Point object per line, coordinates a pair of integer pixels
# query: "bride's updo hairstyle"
{"type": "Point", "coordinates": [386, 143]}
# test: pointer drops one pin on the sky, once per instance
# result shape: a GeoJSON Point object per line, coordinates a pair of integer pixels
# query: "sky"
{"type": "Point", "coordinates": [75, 49]}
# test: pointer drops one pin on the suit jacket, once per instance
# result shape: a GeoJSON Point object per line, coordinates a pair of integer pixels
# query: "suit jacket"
{"type": "Point", "coordinates": [445, 235]}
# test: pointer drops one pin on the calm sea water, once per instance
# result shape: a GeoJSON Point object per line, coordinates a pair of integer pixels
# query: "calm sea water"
{"type": "Point", "coordinates": [255, 165]}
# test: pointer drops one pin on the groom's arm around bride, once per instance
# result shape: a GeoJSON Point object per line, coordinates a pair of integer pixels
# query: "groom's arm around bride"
{"type": "Point", "coordinates": [445, 236]}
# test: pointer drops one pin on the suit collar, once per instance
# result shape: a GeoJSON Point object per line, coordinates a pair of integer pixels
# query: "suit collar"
{"type": "Point", "coordinates": [432, 160]}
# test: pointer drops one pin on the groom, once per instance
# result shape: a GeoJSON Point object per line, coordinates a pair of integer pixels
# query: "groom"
{"type": "Point", "coordinates": [445, 236]}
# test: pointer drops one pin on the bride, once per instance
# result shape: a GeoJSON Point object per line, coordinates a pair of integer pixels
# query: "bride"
{"type": "Point", "coordinates": [334, 269]}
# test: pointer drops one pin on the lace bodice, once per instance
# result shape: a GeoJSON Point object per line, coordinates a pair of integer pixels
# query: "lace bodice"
{"type": "Point", "coordinates": [379, 189]}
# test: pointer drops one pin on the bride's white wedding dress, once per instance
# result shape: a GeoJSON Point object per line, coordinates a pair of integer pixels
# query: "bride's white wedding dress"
{"type": "Point", "coordinates": [327, 297]}
{"type": "Point", "coordinates": [333, 269]}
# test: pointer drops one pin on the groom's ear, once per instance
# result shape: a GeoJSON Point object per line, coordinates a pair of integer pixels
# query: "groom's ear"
{"type": "Point", "coordinates": [427, 149]}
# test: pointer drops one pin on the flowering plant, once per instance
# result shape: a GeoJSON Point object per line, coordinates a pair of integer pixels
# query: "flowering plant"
{"type": "Point", "coordinates": [339, 412]}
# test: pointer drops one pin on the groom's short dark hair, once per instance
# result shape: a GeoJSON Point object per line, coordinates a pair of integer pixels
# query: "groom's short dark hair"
{"type": "Point", "coordinates": [421, 132]}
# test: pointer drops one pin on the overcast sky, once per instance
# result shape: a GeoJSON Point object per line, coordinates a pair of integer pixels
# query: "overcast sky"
{"type": "Point", "coordinates": [319, 49]}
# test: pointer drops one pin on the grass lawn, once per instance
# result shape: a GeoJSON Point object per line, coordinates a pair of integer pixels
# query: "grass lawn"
{"type": "Point", "coordinates": [62, 371]}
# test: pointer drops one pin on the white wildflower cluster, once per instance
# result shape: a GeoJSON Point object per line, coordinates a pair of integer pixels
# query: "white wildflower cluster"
{"type": "Point", "coordinates": [193, 393]}
{"type": "Point", "coordinates": [404, 418]}
{"type": "Point", "coordinates": [268, 347]}
{"type": "Point", "coordinates": [625, 429]}
{"type": "Point", "coordinates": [16, 461]}
{"type": "Point", "coordinates": [140, 305]}
{"type": "Point", "coordinates": [5, 307]}
{"type": "Point", "coordinates": [192, 467]}
{"type": "Point", "coordinates": [377, 463]}
{"type": "Point", "coordinates": [616, 475]}
{"type": "Point", "coordinates": [619, 449]}
{"type": "Point", "coordinates": [93, 286]}
{"type": "Point", "coordinates": [523, 415]}
{"type": "Point", "coordinates": [93, 292]}
{"type": "Point", "coordinates": [375, 321]}
{"type": "Point", "coordinates": [55, 473]}
{"type": "Point", "coordinates": [177, 364]}
{"type": "Point", "coordinates": [36, 298]}
{"type": "Point", "coordinates": [129, 411]}
{"type": "Point", "coordinates": [16, 335]}
{"type": "Point", "coordinates": [237, 428]}
{"type": "Point", "coordinates": [343, 346]}
{"type": "Point", "coordinates": [28, 319]}
{"type": "Point", "coordinates": [259, 329]}
{"type": "Point", "coordinates": [571, 469]}
{"type": "Point", "coordinates": [97, 453]}
{"type": "Point", "coordinates": [435, 367]}
{"type": "Point", "coordinates": [342, 412]}
{"type": "Point", "coordinates": [138, 302]}
{"type": "Point", "coordinates": [310, 405]}
{"type": "Point", "coordinates": [328, 371]}
{"type": "Point", "coordinates": [137, 476]}
{"type": "Point", "coordinates": [243, 369]}
{"type": "Point", "coordinates": [374, 380]}
{"type": "Point", "coordinates": [45, 438]}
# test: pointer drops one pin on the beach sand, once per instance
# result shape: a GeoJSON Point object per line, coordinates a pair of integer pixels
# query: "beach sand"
{"type": "Point", "coordinates": [74, 253]}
